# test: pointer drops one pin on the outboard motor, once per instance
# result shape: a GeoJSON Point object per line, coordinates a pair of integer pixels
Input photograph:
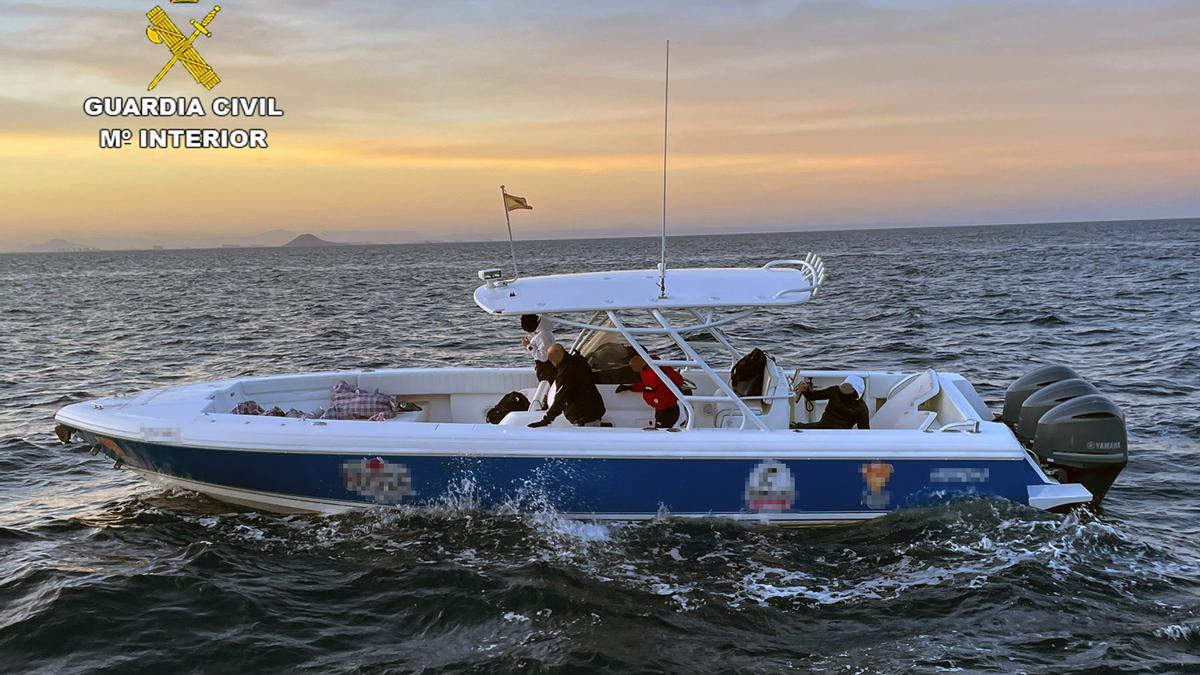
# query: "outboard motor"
{"type": "Point", "coordinates": [1077, 433]}
{"type": "Point", "coordinates": [1085, 439]}
{"type": "Point", "coordinates": [1046, 398]}
{"type": "Point", "coordinates": [1029, 384]}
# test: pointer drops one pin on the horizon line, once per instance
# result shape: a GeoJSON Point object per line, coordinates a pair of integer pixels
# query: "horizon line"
{"type": "Point", "coordinates": [856, 228]}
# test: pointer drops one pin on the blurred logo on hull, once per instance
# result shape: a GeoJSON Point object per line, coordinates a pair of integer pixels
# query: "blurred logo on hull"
{"type": "Point", "coordinates": [381, 482]}
{"type": "Point", "coordinates": [876, 477]}
{"type": "Point", "coordinates": [770, 487]}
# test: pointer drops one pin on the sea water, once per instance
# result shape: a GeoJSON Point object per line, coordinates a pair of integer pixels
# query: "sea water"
{"type": "Point", "coordinates": [100, 570]}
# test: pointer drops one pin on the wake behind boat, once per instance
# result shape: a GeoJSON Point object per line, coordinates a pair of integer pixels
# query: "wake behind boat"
{"type": "Point", "coordinates": [733, 453]}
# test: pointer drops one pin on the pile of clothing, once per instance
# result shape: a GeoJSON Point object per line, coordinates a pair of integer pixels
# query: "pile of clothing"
{"type": "Point", "coordinates": [253, 408]}
{"type": "Point", "coordinates": [347, 403]}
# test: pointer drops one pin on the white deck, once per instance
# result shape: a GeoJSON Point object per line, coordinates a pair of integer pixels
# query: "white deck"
{"type": "Point", "coordinates": [455, 399]}
{"type": "Point", "coordinates": [770, 285]}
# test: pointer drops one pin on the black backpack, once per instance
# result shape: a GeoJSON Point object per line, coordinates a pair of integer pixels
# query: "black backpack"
{"type": "Point", "coordinates": [512, 401]}
{"type": "Point", "coordinates": [746, 377]}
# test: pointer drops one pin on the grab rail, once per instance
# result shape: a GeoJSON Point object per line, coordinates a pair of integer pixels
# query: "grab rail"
{"type": "Point", "coordinates": [811, 266]}
{"type": "Point", "coordinates": [969, 426]}
{"type": "Point", "coordinates": [655, 330]}
{"type": "Point", "coordinates": [805, 289]}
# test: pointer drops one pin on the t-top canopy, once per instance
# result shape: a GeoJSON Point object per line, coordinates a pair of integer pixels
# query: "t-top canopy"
{"type": "Point", "coordinates": [778, 283]}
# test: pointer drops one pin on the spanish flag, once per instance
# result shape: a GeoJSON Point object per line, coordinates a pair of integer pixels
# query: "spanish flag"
{"type": "Point", "coordinates": [513, 202]}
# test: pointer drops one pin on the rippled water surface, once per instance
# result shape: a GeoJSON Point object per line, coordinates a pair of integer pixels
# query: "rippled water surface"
{"type": "Point", "coordinates": [99, 570]}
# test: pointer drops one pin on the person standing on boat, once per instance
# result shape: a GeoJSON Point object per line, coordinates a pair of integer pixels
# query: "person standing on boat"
{"type": "Point", "coordinates": [539, 335]}
{"type": "Point", "coordinates": [655, 392]}
{"type": "Point", "coordinates": [576, 395]}
{"type": "Point", "coordinates": [845, 409]}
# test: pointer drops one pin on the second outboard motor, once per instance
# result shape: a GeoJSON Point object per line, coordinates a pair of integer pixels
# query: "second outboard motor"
{"type": "Point", "coordinates": [1084, 438]}
{"type": "Point", "coordinates": [1046, 398]}
{"type": "Point", "coordinates": [1027, 385]}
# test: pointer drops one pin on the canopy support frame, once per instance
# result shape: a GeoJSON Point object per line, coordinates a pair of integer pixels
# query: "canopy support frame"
{"type": "Point", "coordinates": [611, 321]}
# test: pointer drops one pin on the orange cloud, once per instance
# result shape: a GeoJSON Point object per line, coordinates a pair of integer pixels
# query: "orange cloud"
{"type": "Point", "coordinates": [399, 119]}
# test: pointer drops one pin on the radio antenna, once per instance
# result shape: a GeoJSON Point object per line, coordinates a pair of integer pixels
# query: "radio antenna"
{"type": "Point", "coordinates": [662, 265]}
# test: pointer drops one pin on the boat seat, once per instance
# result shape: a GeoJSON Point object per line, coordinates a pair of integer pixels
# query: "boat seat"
{"type": "Point", "coordinates": [919, 420]}
{"type": "Point", "coordinates": [631, 419]}
{"type": "Point", "coordinates": [524, 417]}
{"type": "Point", "coordinates": [900, 411]}
{"type": "Point", "coordinates": [773, 407]}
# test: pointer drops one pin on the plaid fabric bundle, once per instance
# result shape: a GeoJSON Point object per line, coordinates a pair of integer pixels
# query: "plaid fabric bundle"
{"type": "Point", "coordinates": [357, 409]}
{"type": "Point", "coordinates": [342, 390]}
{"type": "Point", "coordinates": [350, 403]}
{"type": "Point", "coordinates": [334, 412]}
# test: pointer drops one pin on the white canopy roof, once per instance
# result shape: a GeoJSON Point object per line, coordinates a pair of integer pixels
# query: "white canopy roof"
{"type": "Point", "coordinates": [778, 283]}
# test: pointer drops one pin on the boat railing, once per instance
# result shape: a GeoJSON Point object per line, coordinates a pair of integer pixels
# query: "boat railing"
{"type": "Point", "coordinates": [811, 266]}
{"type": "Point", "coordinates": [692, 359]}
{"type": "Point", "coordinates": [967, 426]}
{"type": "Point", "coordinates": [703, 323]}
{"type": "Point", "coordinates": [772, 397]}
{"type": "Point", "coordinates": [703, 319]}
{"type": "Point", "coordinates": [706, 320]}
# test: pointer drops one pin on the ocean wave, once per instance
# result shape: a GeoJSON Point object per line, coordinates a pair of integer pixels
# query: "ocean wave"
{"type": "Point", "coordinates": [1178, 631]}
{"type": "Point", "coordinates": [103, 571]}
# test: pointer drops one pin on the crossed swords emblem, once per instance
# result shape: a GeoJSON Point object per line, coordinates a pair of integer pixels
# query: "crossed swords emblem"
{"type": "Point", "coordinates": [163, 31]}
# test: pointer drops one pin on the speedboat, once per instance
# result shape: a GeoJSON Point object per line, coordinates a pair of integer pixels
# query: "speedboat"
{"type": "Point", "coordinates": [734, 453]}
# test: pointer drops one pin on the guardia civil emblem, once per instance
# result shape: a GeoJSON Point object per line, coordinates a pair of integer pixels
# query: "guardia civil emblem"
{"type": "Point", "coordinates": [163, 31]}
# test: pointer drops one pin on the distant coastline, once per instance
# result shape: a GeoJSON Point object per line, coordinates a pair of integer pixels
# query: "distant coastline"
{"type": "Point", "coordinates": [57, 246]}
{"type": "Point", "coordinates": [309, 241]}
{"type": "Point", "coordinates": [287, 239]}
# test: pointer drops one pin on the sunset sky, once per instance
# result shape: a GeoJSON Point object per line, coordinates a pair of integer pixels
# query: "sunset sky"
{"type": "Point", "coordinates": [403, 118]}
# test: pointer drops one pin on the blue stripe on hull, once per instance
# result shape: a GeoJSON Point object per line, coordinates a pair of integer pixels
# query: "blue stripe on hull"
{"type": "Point", "coordinates": [589, 485]}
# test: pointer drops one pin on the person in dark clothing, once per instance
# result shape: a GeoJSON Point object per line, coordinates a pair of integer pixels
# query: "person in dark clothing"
{"type": "Point", "coordinates": [845, 409]}
{"type": "Point", "coordinates": [576, 395]}
{"type": "Point", "coordinates": [538, 338]}
{"type": "Point", "coordinates": [656, 394]}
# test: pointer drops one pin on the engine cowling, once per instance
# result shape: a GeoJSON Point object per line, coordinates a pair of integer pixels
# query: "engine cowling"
{"type": "Point", "coordinates": [1087, 439]}
{"type": "Point", "coordinates": [1046, 398]}
{"type": "Point", "coordinates": [1029, 384]}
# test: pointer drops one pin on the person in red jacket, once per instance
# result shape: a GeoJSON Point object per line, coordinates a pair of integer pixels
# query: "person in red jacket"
{"type": "Point", "coordinates": [656, 394]}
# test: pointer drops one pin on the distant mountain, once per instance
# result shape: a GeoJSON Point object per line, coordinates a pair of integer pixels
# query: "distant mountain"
{"type": "Point", "coordinates": [57, 246]}
{"type": "Point", "coordinates": [269, 238]}
{"type": "Point", "coordinates": [308, 241]}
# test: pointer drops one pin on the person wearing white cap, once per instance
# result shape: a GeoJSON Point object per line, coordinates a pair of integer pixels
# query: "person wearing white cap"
{"type": "Point", "coordinates": [845, 409]}
{"type": "Point", "coordinates": [539, 335]}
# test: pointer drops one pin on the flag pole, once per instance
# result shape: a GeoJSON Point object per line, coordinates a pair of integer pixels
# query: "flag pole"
{"type": "Point", "coordinates": [662, 266]}
{"type": "Point", "coordinates": [508, 223]}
